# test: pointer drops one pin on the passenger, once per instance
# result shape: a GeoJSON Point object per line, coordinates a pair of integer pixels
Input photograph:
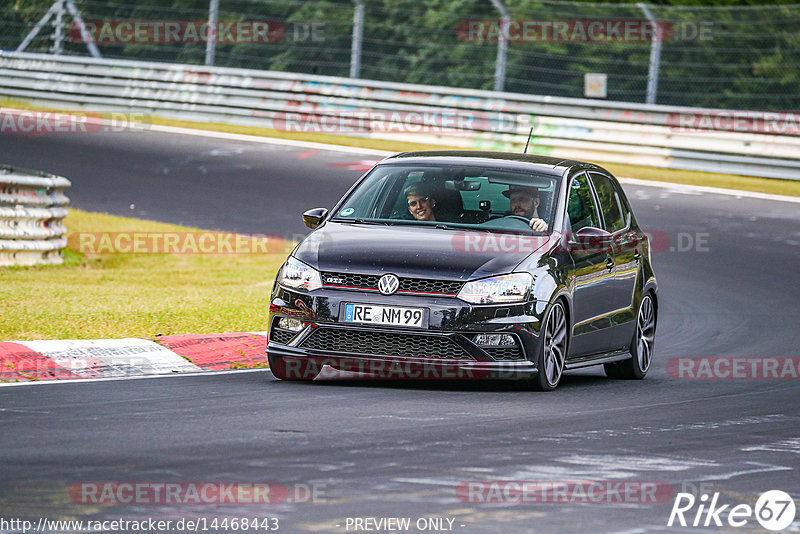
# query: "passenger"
{"type": "Point", "coordinates": [525, 203]}
{"type": "Point", "coordinates": [420, 202]}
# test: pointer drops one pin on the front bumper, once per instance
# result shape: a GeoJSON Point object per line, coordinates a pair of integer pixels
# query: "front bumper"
{"type": "Point", "coordinates": [444, 349]}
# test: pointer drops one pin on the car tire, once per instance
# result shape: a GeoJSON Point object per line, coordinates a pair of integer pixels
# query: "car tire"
{"type": "Point", "coordinates": [641, 349]}
{"type": "Point", "coordinates": [296, 370]}
{"type": "Point", "coordinates": [553, 349]}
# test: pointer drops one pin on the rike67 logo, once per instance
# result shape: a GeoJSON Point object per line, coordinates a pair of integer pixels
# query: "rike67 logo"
{"type": "Point", "coordinates": [774, 510]}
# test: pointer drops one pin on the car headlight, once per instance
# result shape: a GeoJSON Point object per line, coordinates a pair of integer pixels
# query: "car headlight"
{"type": "Point", "coordinates": [298, 275]}
{"type": "Point", "coordinates": [498, 289]}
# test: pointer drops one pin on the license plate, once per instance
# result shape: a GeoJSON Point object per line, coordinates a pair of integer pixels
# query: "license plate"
{"type": "Point", "coordinates": [391, 315]}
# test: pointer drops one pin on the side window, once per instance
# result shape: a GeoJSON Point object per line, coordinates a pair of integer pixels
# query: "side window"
{"type": "Point", "coordinates": [581, 207]}
{"type": "Point", "coordinates": [624, 204]}
{"type": "Point", "coordinates": [610, 203]}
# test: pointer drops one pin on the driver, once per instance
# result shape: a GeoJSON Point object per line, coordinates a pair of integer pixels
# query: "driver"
{"type": "Point", "coordinates": [420, 202]}
{"type": "Point", "coordinates": [525, 203]}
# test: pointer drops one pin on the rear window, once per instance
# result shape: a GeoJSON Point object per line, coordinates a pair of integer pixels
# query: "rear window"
{"type": "Point", "coordinates": [610, 203]}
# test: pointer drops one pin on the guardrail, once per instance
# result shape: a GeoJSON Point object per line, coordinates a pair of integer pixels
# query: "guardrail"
{"type": "Point", "coordinates": [32, 209]}
{"type": "Point", "coordinates": [594, 130]}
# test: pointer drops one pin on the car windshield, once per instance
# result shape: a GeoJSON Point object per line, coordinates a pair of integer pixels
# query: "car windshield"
{"type": "Point", "coordinates": [479, 198]}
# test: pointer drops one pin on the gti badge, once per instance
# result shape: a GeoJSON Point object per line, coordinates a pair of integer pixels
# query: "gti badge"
{"type": "Point", "coordinates": [388, 284]}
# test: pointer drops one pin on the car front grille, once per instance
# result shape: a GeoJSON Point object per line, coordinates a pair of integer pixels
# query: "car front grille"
{"type": "Point", "coordinates": [385, 344]}
{"type": "Point", "coordinates": [421, 285]}
{"type": "Point", "coordinates": [369, 282]}
{"type": "Point", "coordinates": [505, 353]}
{"type": "Point", "coordinates": [350, 281]}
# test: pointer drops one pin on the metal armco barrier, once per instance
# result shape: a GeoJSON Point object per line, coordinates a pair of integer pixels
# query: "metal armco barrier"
{"type": "Point", "coordinates": [32, 209]}
{"type": "Point", "coordinates": [593, 130]}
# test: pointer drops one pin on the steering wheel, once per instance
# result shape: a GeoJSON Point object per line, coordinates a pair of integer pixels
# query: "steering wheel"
{"type": "Point", "coordinates": [519, 218]}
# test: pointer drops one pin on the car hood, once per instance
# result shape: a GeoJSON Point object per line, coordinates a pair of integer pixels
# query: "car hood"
{"type": "Point", "coordinates": [414, 251]}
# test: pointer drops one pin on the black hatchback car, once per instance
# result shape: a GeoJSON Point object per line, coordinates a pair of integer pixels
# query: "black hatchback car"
{"type": "Point", "coordinates": [468, 264]}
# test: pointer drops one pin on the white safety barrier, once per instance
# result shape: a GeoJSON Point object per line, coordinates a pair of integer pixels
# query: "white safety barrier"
{"type": "Point", "coordinates": [32, 209]}
{"type": "Point", "coordinates": [747, 143]}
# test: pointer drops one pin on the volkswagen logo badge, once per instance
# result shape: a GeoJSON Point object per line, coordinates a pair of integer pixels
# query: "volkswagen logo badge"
{"type": "Point", "coordinates": [388, 284]}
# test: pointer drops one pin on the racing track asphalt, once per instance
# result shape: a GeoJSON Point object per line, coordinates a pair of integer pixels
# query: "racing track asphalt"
{"type": "Point", "coordinates": [400, 449]}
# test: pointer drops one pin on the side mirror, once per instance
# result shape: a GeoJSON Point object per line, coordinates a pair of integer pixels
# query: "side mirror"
{"type": "Point", "coordinates": [313, 217]}
{"type": "Point", "coordinates": [590, 239]}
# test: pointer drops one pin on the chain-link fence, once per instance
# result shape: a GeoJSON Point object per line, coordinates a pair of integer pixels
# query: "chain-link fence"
{"type": "Point", "coordinates": [738, 57]}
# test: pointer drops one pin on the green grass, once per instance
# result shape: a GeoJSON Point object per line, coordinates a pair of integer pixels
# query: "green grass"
{"type": "Point", "coordinates": [727, 181]}
{"type": "Point", "coordinates": [135, 295]}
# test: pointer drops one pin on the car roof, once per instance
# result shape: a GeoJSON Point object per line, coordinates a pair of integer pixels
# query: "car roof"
{"type": "Point", "coordinates": [504, 160]}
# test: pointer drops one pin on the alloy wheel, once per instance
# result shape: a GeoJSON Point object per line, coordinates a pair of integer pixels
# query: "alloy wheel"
{"type": "Point", "coordinates": [555, 345]}
{"type": "Point", "coordinates": [645, 333]}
